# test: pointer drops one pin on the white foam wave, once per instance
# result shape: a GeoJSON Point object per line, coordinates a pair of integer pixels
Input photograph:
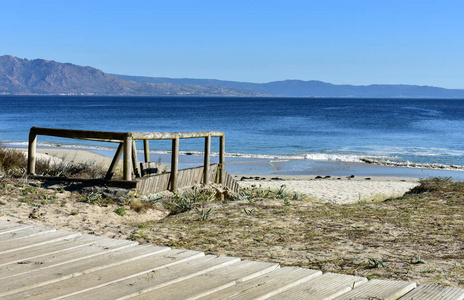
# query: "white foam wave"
{"type": "Point", "coordinates": [382, 160]}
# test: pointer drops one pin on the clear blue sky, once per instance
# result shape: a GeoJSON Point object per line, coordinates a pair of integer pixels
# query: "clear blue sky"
{"type": "Point", "coordinates": [339, 41]}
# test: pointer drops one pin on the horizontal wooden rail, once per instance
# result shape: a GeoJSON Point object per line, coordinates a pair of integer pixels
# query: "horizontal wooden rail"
{"type": "Point", "coordinates": [111, 136]}
{"type": "Point", "coordinates": [174, 135]}
{"type": "Point", "coordinates": [127, 148]}
{"type": "Point", "coordinates": [105, 136]}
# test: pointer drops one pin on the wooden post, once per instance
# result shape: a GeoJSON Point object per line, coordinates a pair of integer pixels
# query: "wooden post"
{"type": "Point", "coordinates": [174, 163]}
{"type": "Point", "coordinates": [146, 150]}
{"type": "Point", "coordinates": [114, 162]}
{"type": "Point", "coordinates": [207, 160]}
{"type": "Point", "coordinates": [135, 162]}
{"type": "Point", "coordinates": [127, 170]}
{"type": "Point", "coordinates": [222, 152]}
{"type": "Point", "coordinates": [31, 157]}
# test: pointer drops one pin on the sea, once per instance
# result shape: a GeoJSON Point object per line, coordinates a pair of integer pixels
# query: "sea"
{"type": "Point", "coordinates": [300, 136]}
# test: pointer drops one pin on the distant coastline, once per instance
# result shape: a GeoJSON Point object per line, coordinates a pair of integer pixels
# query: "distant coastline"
{"type": "Point", "coordinates": [46, 77]}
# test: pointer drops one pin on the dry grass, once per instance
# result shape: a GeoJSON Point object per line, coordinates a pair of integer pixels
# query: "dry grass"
{"type": "Point", "coordinates": [417, 237]}
{"type": "Point", "coordinates": [14, 163]}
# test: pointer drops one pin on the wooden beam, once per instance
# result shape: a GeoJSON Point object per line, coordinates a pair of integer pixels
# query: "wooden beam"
{"type": "Point", "coordinates": [31, 152]}
{"type": "Point", "coordinates": [207, 160]}
{"type": "Point", "coordinates": [135, 163]}
{"type": "Point", "coordinates": [114, 162]}
{"type": "Point", "coordinates": [222, 152]}
{"type": "Point", "coordinates": [81, 134]}
{"type": "Point", "coordinates": [146, 150]}
{"type": "Point", "coordinates": [127, 170]}
{"type": "Point", "coordinates": [174, 163]}
{"type": "Point", "coordinates": [173, 135]}
{"type": "Point", "coordinates": [117, 183]}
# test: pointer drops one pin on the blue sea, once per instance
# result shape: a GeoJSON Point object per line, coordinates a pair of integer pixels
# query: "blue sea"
{"type": "Point", "coordinates": [296, 130]}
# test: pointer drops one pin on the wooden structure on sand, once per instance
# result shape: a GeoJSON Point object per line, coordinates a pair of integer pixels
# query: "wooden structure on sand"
{"type": "Point", "coordinates": [137, 175]}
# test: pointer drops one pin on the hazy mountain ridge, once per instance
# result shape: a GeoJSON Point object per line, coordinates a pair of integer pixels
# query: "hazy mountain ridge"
{"type": "Point", "coordinates": [39, 77]}
{"type": "Point", "coordinates": [300, 88]}
{"type": "Point", "coordinates": [45, 77]}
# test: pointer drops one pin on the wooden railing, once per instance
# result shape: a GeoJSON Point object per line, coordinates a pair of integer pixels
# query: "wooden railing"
{"type": "Point", "coordinates": [127, 148]}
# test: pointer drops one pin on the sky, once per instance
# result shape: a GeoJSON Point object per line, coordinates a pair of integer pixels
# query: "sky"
{"type": "Point", "coordinates": [357, 42]}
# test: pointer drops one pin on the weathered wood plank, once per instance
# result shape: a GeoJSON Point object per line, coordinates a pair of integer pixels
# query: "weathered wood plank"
{"type": "Point", "coordinates": [80, 134]}
{"type": "Point", "coordinates": [327, 286]}
{"type": "Point", "coordinates": [34, 241]}
{"type": "Point", "coordinates": [173, 135]}
{"type": "Point", "coordinates": [94, 249]}
{"type": "Point", "coordinates": [70, 269]}
{"type": "Point", "coordinates": [31, 152]}
{"type": "Point", "coordinates": [156, 280]}
{"type": "Point", "coordinates": [434, 292]}
{"type": "Point", "coordinates": [207, 159]}
{"type": "Point", "coordinates": [379, 289]}
{"type": "Point", "coordinates": [153, 184]}
{"type": "Point", "coordinates": [222, 158]}
{"type": "Point", "coordinates": [25, 233]}
{"type": "Point", "coordinates": [174, 164]}
{"type": "Point", "coordinates": [127, 159]}
{"type": "Point", "coordinates": [266, 285]}
{"type": "Point", "coordinates": [112, 182]}
{"type": "Point", "coordinates": [115, 161]}
{"type": "Point", "coordinates": [38, 250]}
{"type": "Point", "coordinates": [135, 162]}
{"type": "Point", "coordinates": [146, 150]}
{"type": "Point", "coordinates": [10, 227]}
{"type": "Point", "coordinates": [140, 266]}
{"type": "Point", "coordinates": [214, 281]}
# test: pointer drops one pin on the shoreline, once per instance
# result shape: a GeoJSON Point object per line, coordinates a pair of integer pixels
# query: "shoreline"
{"type": "Point", "coordinates": [378, 160]}
{"type": "Point", "coordinates": [263, 166]}
{"type": "Point", "coordinates": [337, 189]}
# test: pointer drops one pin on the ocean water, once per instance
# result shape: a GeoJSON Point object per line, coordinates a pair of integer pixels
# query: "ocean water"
{"type": "Point", "coordinates": [419, 131]}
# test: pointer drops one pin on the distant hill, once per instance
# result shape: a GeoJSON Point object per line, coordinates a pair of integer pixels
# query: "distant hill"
{"type": "Point", "coordinates": [313, 88]}
{"type": "Point", "coordinates": [39, 77]}
{"type": "Point", "coordinates": [44, 77]}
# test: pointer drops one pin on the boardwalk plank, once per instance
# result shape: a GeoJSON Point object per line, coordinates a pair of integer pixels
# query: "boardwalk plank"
{"type": "Point", "coordinates": [147, 264]}
{"type": "Point", "coordinates": [96, 248]}
{"type": "Point", "coordinates": [210, 282]}
{"type": "Point", "coordinates": [7, 227]}
{"type": "Point", "coordinates": [44, 248]}
{"type": "Point", "coordinates": [379, 289]}
{"type": "Point", "coordinates": [105, 259]}
{"type": "Point", "coordinates": [157, 279]}
{"type": "Point", "coordinates": [434, 292]}
{"type": "Point", "coordinates": [25, 233]}
{"type": "Point", "coordinates": [41, 263]}
{"type": "Point", "coordinates": [37, 240]}
{"type": "Point", "coordinates": [327, 286]}
{"type": "Point", "coordinates": [266, 285]}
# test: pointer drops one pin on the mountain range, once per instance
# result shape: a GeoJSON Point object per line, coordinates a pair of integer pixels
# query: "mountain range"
{"type": "Point", "coordinates": [45, 77]}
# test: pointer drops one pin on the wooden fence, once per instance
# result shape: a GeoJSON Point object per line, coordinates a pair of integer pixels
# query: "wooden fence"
{"type": "Point", "coordinates": [133, 172]}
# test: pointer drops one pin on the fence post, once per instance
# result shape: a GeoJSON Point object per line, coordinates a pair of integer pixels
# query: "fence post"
{"type": "Point", "coordinates": [135, 163]}
{"type": "Point", "coordinates": [207, 159]}
{"type": "Point", "coordinates": [174, 163]}
{"type": "Point", "coordinates": [31, 152]}
{"type": "Point", "coordinates": [222, 151]}
{"type": "Point", "coordinates": [127, 166]}
{"type": "Point", "coordinates": [146, 150]}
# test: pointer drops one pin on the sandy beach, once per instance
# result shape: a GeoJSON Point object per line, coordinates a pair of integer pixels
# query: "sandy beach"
{"type": "Point", "coordinates": [333, 189]}
{"type": "Point", "coordinates": [337, 190]}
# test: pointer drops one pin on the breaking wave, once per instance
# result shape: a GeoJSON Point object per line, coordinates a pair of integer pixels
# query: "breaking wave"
{"type": "Point", "coordinates": [390, 160]}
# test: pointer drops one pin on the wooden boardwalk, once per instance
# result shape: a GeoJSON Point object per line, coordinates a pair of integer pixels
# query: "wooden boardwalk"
{"type": "Point", "coordinates": [42, 263]}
